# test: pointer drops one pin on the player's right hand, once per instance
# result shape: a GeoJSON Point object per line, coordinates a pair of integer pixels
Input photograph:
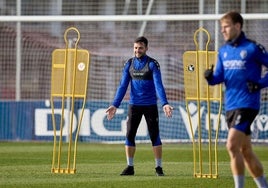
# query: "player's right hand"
{"type": "Point", "coordinates": [168, 110]}
{"type": "Point", "coordinates": [208, 74]}
{"type": "Point", "coordinates": [110, 112]}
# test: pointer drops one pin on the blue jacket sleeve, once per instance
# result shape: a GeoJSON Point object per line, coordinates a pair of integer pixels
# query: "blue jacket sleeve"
{"type": "Point", "coordinates": [159, 87]}
{"type": "Point", "coordinates": [218, 74]}
{"type": "Point", "coordinates": [123, 85]}
{"type": "Point", "coordinates": [264, 81]}
{"type": "Point", "coordinates": [262, 58]}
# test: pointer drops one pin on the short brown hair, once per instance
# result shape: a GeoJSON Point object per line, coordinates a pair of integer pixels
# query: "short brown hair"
{"type": "Point", "coordinates": [234, 16]}
{"type": "Point", "coordinates": [141, 39]}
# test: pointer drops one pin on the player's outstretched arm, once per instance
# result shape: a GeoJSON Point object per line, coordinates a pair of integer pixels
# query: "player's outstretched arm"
{"type": "Point", "coordinates": [168, 110]}
{"type": "Point", "coordinates": [110, 112]}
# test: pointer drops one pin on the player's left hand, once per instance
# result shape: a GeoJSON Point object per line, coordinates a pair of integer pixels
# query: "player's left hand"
{"type": "Point", "coordinates": [168, 110]}
{"type": "Point", "coordinates": [253, 87]}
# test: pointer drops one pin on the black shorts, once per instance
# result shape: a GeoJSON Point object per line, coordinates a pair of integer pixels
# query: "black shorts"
{"type": "Point", "coordinates": [241, 119]}
{"type": "Point", "coordinates": [135, 114]}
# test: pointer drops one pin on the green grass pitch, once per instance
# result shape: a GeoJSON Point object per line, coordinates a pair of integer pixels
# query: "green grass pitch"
{"type": "Point", "coordinates": [28, 164]}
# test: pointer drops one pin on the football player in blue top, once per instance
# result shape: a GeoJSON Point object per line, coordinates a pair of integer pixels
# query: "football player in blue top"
{"type": "Point", "coordinates": [239, 66]}
{"type": "Point", "coordinates": [143, 74]}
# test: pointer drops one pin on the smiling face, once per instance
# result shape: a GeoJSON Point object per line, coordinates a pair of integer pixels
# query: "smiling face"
{"type": "Point", "coordinates": [140, 49]}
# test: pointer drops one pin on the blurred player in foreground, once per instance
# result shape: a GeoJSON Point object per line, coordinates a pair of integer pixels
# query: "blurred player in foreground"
{"type": "Point", "coordinates": [143, 74]}
{"type": "Point", "coordinates": [239, 66]}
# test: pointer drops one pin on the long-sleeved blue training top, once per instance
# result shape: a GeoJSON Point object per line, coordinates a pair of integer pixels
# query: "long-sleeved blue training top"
{"type": "Point", "coordinates": [142, 91]}
{"type": "Point", "coordinates": [238, 62]}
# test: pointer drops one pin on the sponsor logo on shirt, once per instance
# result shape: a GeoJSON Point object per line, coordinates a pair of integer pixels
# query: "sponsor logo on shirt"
{"type": "Point", "coordinates": [234, 64]}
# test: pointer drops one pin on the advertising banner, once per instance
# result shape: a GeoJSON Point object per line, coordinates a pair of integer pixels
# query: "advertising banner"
{"type": "Point", "coordinates": [32, 121]}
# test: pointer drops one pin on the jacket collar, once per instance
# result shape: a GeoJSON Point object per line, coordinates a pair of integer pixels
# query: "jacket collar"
{"type": "Point", "coordinates": [142, 58]}
{"type": "Point", "coordinates": [238, 40]}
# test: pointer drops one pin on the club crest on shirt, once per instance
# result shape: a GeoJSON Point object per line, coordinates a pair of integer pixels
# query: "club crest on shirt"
{"type": "Point", "coordinates": [243, 54]}
{"type": "Point", "coordinates": [225, 54]}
